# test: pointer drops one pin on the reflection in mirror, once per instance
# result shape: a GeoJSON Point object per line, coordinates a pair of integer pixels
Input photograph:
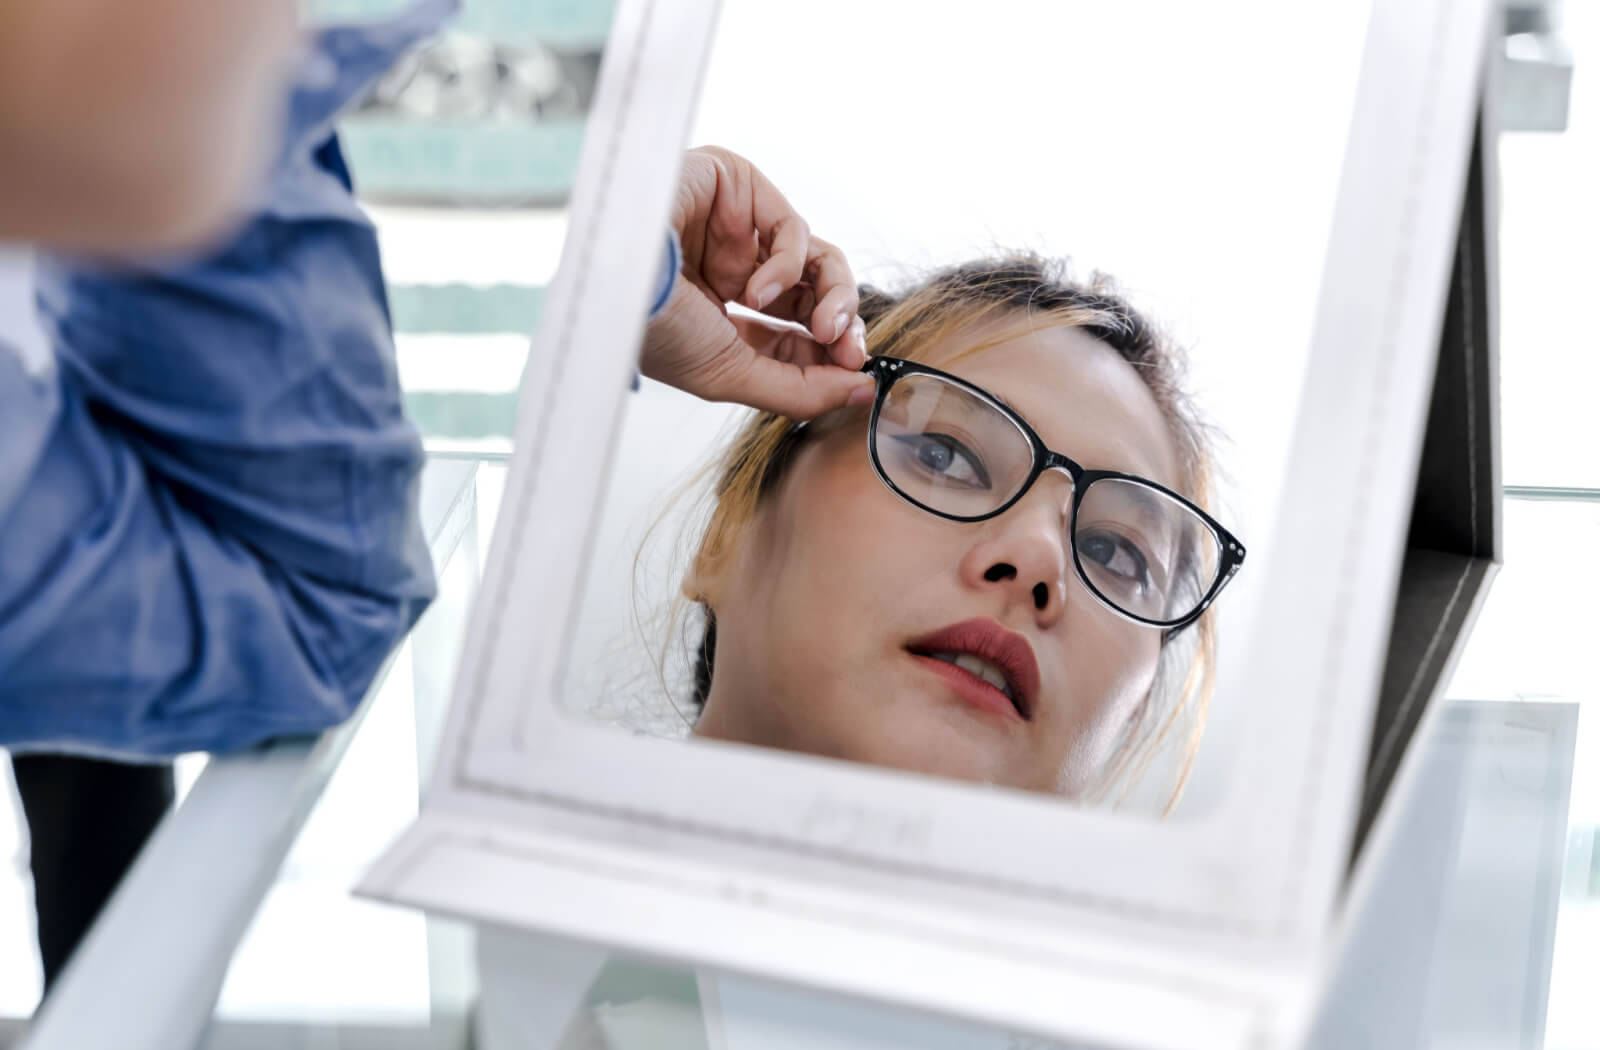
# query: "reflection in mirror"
{"type": "Point", "coordinates": [1010, 548]}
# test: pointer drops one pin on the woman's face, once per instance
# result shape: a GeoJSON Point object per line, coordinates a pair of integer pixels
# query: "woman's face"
{"type": "Point", "coordinates": [826, 605]}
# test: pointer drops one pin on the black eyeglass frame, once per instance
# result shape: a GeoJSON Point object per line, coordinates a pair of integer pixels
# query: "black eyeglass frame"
{"type": "Point", "coordinates": [888, 370]}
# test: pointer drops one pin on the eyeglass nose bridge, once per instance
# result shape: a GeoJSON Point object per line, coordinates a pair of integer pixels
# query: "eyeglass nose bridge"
{"type": "Point", "coordinates": [1075, 473]}
{"type": "Point", "coordinates": [1069, 467]}
{"type": "Point", "coordinates": [1048, 462]}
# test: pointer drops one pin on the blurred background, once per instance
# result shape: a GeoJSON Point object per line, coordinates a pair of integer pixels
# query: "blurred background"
{"type": "Point", "coordinates": [466, 156]}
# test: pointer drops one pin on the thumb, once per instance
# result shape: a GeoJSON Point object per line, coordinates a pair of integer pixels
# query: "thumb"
{"type": "Point", "coordinates": [794, 390]}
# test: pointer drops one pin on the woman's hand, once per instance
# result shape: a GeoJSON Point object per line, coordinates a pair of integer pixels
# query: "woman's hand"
{"type": "Point", "coordinates": [742, 242]}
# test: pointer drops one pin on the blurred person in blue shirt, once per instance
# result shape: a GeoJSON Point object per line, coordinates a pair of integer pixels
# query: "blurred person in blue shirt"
{"type": "Point", "coordinates": [208, 519]}
{"type": "Point", "coordinates": [208, 515]}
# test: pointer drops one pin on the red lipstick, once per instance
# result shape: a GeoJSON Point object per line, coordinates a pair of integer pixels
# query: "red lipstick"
{"type": "Point", "coordinates": [1006, 651]}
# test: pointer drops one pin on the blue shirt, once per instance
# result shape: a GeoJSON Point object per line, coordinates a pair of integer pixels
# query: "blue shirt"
{"type": "Point", "coordinates": [208, 505]}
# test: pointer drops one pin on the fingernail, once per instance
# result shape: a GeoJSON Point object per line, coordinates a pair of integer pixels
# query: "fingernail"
{"type": "Point", "coordinates": [841, 325]}
{"type": "Point", "coordinates": [860, 330]}
{"type": "Point", "coordinates": [862, 395]}
{"type": "Point", "coordinates": [767, 294]}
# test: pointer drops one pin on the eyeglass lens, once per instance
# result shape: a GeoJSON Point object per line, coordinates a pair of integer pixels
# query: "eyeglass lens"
{"type": "Point", "coordinates": [959, 455]}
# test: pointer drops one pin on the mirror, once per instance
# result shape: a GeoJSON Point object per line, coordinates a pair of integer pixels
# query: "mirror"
{"type": "Point", "coordinates": [1183, 175]}
{"type": "Point", "coordinates": [1280, 196]}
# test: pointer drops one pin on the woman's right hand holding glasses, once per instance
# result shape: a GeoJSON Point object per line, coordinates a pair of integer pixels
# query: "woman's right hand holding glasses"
{"type": "Point", "coordinates": [743, 242]}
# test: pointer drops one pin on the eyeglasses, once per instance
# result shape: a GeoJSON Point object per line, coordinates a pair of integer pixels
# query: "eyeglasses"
{"type": "Point", "coordinates": [955, 450]}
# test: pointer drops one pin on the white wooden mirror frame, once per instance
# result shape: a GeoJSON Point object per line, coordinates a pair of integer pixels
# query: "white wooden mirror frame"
{"type": "Point", "coordinates": [1203, 931]}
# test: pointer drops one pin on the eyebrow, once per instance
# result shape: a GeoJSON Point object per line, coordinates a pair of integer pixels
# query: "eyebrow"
{"type": "Point", "coordinates": [1150, 504]}
{"type": "Point", "coordinates": [1013, 408]}
{"type": "Point", "coordinates": [1148, 500]}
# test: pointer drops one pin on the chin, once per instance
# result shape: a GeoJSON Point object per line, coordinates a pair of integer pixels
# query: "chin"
{"type": "Point", "coordinates": [907, 734]}
{"type": "Point", "coordinates": [948, 762]}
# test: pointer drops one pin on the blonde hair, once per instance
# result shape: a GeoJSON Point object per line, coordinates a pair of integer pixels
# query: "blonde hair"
{"type": "Point", "coordinates": [957, 300]}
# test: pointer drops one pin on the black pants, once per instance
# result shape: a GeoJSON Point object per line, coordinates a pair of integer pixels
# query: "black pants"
{"type": "Point", "coordinates": [87, 820]}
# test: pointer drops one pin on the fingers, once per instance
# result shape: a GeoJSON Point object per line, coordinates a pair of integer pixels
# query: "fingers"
{"type": "Point", "coordinates": [781, 342]}
{"type": "Point", "coordinates": [796, 391]}
{"type": "Point", "coordinates": [795, 376]}
{"type": "Point", "coordinates": [826, 303]}
{"type": "Point", "coordinates": [796, 255]}
{"type": "Point", "coordinates": [752, 360]}
{"type": "Point", "coordinates": [837, 299]}
{"type": "Point", "coordinates": [790, 239]}
{"type": "Point", "coordinates": [723, 244]}
{"type": "Point", "coordinates": [759, 251]}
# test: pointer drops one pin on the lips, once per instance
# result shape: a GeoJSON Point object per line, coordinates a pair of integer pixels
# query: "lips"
{"type": "Point", "coordinates": [969, 653]}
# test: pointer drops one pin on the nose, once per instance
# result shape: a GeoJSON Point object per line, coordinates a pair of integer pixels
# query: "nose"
{"type": "Point", "coordinates": [1024, 552]}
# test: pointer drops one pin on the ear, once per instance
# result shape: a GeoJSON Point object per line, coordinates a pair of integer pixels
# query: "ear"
{"type": "Point", "coordinates": [707, 578]}
{"type": "Point", "coordinates": [722, 555]}
{"type": "Point", "coordinates": [725, 550]}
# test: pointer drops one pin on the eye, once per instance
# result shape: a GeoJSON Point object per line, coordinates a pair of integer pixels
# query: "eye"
{"type": "Point", "coordinates": [946, 458]}
{"type": "Point", "coordinates": [1117, 555]}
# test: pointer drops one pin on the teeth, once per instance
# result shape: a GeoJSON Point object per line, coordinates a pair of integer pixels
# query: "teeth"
{"type": "Point", "coordinates": [977, 666]}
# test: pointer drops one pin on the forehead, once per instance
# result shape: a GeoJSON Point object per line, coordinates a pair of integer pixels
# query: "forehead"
{"type": "Point", "coordinates": [1085, 401]}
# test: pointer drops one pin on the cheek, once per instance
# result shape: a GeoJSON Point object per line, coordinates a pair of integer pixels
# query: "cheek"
{"type": "Point", "coordinates": [1137, 654]}
{"type": "Point", "coordinates": [1112, 667]}
{"type": "Point", "coordinates": [808, 604]}
{"type": "Point", "coordinates": [1105, 655]}
{"type": "Point", "coordinates": [849, 570]}
{"type": "Point", "coordinates": [827, 530]}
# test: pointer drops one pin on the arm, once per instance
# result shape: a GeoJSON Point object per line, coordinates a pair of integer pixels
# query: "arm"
{"type": "Point", "coordinates": [213, 539]}
{"type": "Point", "coordinates": [130, 124]}
{"type": "Point", "coordinates": [131, 625]}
